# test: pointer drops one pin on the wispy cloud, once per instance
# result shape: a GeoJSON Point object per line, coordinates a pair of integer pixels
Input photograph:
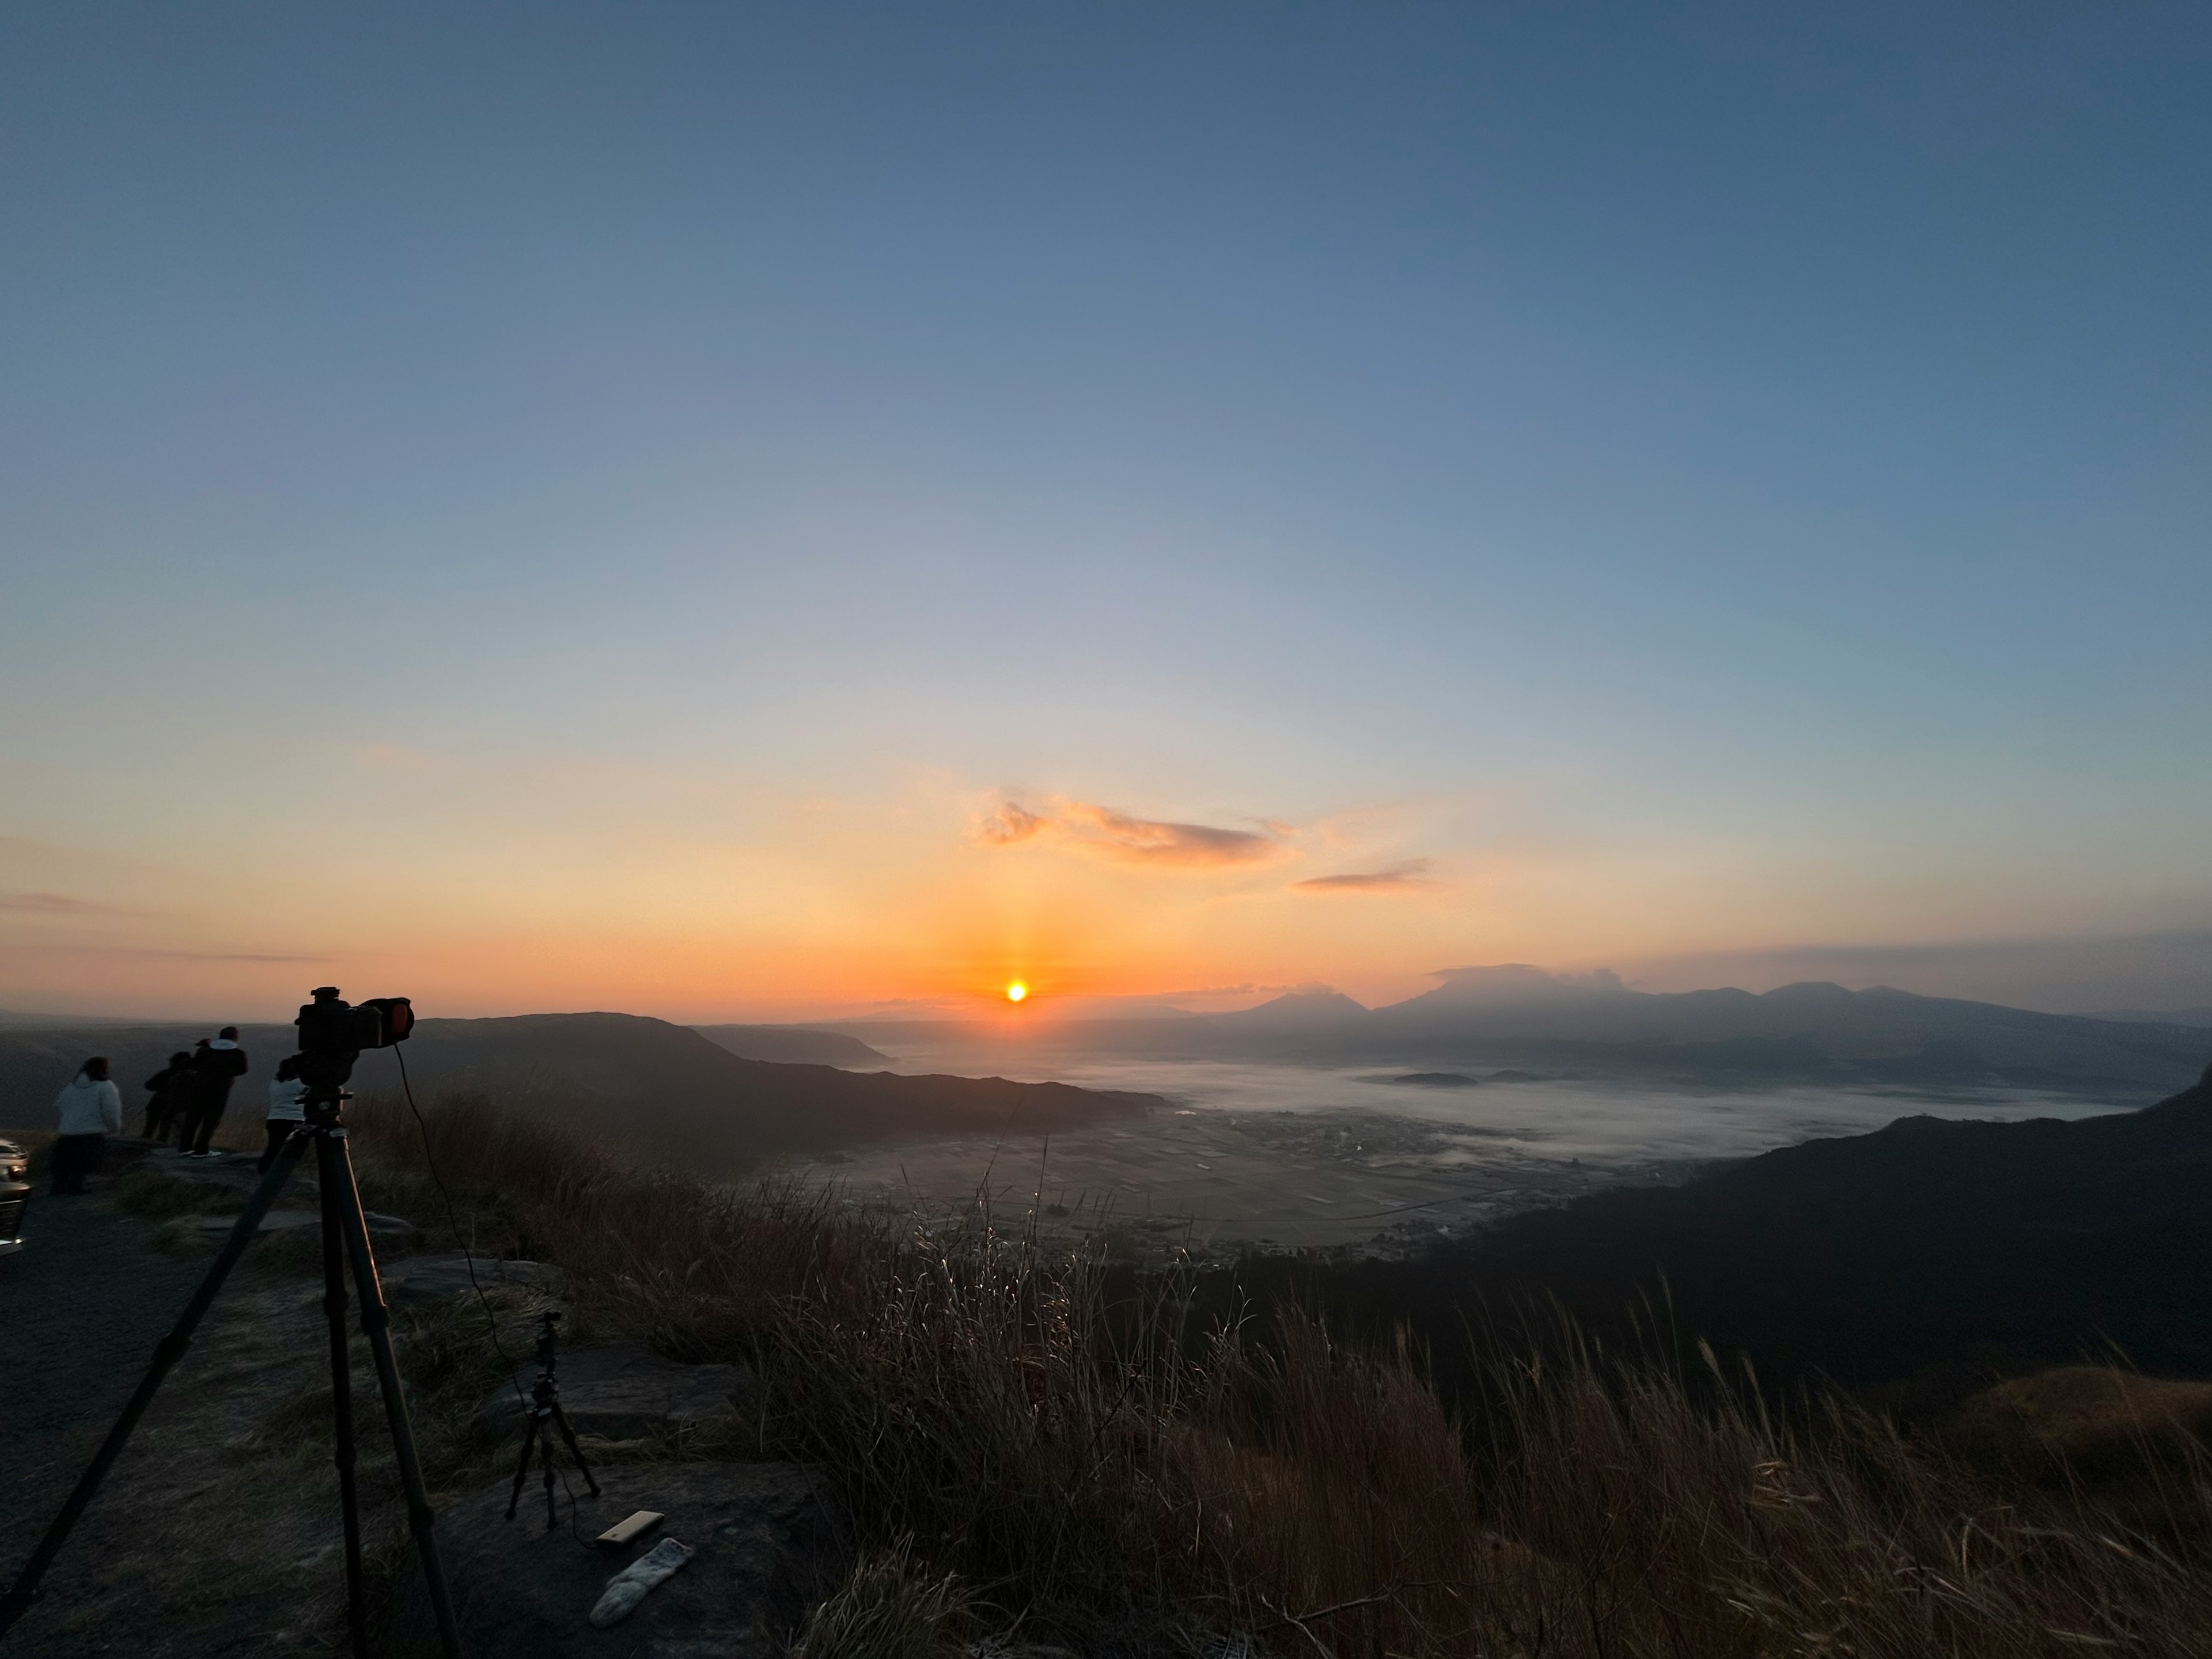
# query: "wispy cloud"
{"type": "Point", "coordinates": [1408, 876]}
{"type": "Point", "coordinates": [1100, 831]}
{"type": "Point", "coordinates": [48, 904]}
{"type": "Point", "coordinates": [154, 953]}
{"type": "Point", "coordinates": [1009, 823]}
{"type": "Point", "coordinates": [241, 955]}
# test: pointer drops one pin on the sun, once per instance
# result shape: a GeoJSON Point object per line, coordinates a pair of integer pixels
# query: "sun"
{"type": "Point", "coordinates": [1016, 990]}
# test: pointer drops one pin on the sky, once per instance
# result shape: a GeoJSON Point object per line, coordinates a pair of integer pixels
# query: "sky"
{"type": "Point", "coordinates": [771, 511]}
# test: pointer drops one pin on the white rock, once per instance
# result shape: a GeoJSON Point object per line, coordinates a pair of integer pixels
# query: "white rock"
{"type": "Point", "coordinates": [629, 1587]}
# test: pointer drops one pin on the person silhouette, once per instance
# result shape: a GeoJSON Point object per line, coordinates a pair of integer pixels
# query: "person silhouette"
{"type": "Point", "coordinates": [218, 1065]}
{"type": "Point", "coordinates": [169, 1096]}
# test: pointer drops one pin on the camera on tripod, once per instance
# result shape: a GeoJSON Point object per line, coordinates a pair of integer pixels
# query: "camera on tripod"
{"type": "Point", "coordinates": [333, 1032]}
{"type": "Point", "coordinates": [542, 1417]}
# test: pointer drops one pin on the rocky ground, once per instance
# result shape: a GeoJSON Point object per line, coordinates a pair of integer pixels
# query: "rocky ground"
{"type": "Point", "coordinates": [217, 1532]}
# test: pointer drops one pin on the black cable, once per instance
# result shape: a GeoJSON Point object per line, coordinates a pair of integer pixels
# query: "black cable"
{"type": "Point", "coordinates": [468, 1258]}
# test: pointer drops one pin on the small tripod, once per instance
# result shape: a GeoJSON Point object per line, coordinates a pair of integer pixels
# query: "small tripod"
{"type": "Point", "coordinates": [544, 1417]}
{"type": "Point", "coordinates": [345, 1235]}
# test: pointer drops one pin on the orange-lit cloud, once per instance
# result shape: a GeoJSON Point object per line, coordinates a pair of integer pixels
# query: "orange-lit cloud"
{"type": "Point", "coordinates": [1101, 832]}
{"type": "Point", "coordinates": [1404, 877]}
{"type": "Point", "coordinates": [1010, 822]}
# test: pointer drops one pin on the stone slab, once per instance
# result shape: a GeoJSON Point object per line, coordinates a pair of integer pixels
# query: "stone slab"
{"type": "Point", "coordinates": [623, 1392]}
{"type": "Point", "coordinates": [284, 1221]}
{"type": "Point", "coordinates": [770, 1541]}
{"type": "Point", "coordinates": [426, 1279]}
{"type": "Point", "coordinates": [276, 1221]}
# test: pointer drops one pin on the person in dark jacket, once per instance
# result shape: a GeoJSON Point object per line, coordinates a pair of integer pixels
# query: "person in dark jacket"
{"type": "Point", "coordinates": [195, 1091]}
{"type": "Point", "coordinates": [169, 1095]}
{"type": "Point", "coordinates": [219, 1064]}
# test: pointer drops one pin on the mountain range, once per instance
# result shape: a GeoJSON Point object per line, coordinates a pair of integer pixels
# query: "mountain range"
{"type": "Point", "coordinates": [1515, 1016]}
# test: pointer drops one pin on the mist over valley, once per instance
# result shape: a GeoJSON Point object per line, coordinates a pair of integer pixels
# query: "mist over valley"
{"type": "Point", "coordinates": [1304, 1121]}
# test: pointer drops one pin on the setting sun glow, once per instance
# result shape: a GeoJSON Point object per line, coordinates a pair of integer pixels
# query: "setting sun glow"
{"type": "Point", "coordinates": [1017, 991]}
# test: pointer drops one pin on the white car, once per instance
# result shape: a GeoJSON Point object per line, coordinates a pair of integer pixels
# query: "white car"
{"type": "Point", "coordinates": [15, 1196]}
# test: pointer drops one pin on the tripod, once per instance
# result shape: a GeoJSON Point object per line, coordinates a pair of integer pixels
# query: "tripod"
{"type": "Point", "coordinates": [544, 1417]}
{"type": "Point", "coordinates": [345, 1235]}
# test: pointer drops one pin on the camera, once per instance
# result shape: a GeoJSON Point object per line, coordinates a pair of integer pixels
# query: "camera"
{"type": "Point", "coordinates": [333, 1032]}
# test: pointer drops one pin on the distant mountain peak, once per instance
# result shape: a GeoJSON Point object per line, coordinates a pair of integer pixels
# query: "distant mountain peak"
{"type": "Point", "coordinates": [1810, 990]}
{"type": "Point", "coordinates": [1302, 1006]}
{"type": "Point", "coordinates": [1521, 982]}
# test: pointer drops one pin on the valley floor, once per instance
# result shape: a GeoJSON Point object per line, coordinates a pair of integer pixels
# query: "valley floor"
{"type": "Point", "coordinates": [1213, 1184]}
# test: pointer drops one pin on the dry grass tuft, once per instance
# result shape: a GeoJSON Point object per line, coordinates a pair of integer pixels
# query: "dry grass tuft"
{"type": "Point", "coordinates": [2088, 1411]}
{"type": "Point", "coordinates": [155, 1195]}
{"type": "Point", "coordinates": [893, 1606]}
{"type": "Point", "coordinates": [1080, 1459]}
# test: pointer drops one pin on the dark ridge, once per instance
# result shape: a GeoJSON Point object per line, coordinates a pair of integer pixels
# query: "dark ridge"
{"type": "Point", "coordinates": [1921, 1259]}
{"type": "Point", "coordinates": [793, 1045]}
{"type": "Point", "coordinates": [663, 1088]}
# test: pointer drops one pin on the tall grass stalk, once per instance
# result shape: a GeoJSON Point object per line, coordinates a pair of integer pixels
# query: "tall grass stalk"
{"type": "Point", "coordinates": [1074, 1455]}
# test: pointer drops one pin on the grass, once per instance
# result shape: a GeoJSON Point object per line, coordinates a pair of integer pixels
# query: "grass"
{"type": "Point", "coordinates": [1095, 1472]}
{"type": "Point", "coordinates": [892, 1607]}
{"type": "Point", "coordinates": [151, 1194]}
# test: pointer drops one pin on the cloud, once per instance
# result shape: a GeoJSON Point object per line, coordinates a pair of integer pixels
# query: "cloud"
{"type": "Point", "coordinates": [1149, 841]}
{"type": "Point", "coordinates": [1011, 823]}
{"type": "Point", "coordinates": [1156, 843]}
{"type": "Point", "coordinates": [154, 953]}
{"type": "Point", "coordinates": [233, 956]}
{"type": "Point", "coordinates": [48, 904]}
{"type": "Point", "coordinates": [1403, 878]}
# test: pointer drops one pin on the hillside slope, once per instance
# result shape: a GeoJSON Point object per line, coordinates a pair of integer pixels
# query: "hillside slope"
{"type": "Point", "coordinates": [1932, 1250]}
{"type": "Point", "coordinates": [662, 1087]}
{"type": "Point", "coordinates": [793, 1045]}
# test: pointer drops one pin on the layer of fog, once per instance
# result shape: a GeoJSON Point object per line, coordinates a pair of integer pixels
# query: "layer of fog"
{"type": "Point", "coordinates": [1606, 1122]}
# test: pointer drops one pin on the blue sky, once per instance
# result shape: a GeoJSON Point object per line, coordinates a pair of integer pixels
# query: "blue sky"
{"type": "Point", "coordinates": [637, 486]}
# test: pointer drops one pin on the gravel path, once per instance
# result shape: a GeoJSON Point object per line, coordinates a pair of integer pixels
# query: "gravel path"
{"type": "Point", "coordinates": [79, 1311]}
{"type": "Point", "coordinates": [214, 1534]}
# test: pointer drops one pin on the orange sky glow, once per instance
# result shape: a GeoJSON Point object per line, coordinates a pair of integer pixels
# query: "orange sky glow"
{"type": "Point", "coordinates": [926, 900]}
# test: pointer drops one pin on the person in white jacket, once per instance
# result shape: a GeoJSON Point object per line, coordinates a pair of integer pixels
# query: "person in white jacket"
{"type": "Point", "coordinates": [288, 1110]}
{"type": "Point", "coordinates": [90, 1109]}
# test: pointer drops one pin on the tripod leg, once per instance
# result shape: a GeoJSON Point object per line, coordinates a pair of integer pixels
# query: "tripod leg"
{"type": "Point", "coordinates": [552, 1505]}
{"type": "Point", "coordinates": [167, 1352]}
{"type": "Point", "coordinates": [334, 1310]}
{"type": "Point", "coordinates": [560, 1422]}
{"type": "Point", "coordinates": [522, 1468]}
{"type": "Point", "coordinates": [376, 1325]}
